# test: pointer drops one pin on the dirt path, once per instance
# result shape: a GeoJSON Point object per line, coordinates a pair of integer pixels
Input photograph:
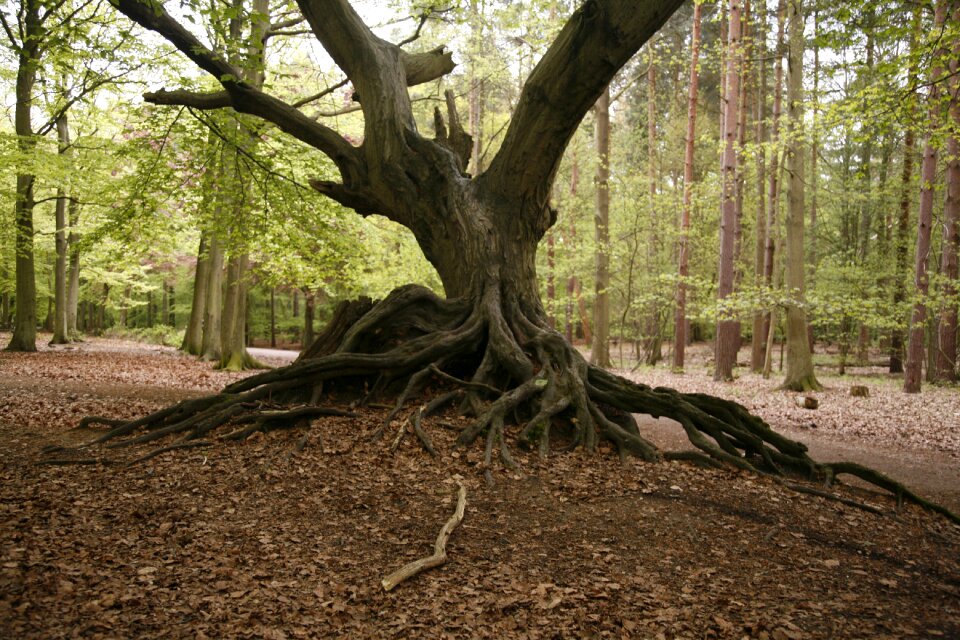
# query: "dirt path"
{"type": "Point", "coordinates": [931, 473]}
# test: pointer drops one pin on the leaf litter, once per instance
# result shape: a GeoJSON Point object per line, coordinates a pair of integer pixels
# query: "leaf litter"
{"type": "Point", "coordinates": [247, 540]}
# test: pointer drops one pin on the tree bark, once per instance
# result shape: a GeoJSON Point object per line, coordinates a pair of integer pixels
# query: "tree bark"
{"type": "Point", "coordinates": [728, 338]}
{"type": "Point", "coordinates": [903, 219]}
{"type": "Point", "coordinates": [928, 175]}
{"type": "Point", "coordinates": [25, 320]}
{"type": "Point", "coordinates": [758, 342]}
{"type": "Point", "coordinates": [210, 340]}
{"type": "Point", "coordinates": [800, 375]}
{"type": "Point", "coordinates": [683, 258]}
{"type": "Point", "coordinates": [653, 344]}
{"type": "Point", "coordinates": [866, 192]}
{"type": "Point", "coordinates": [946, 363]}
{"type": "Point", "coordinates": [193, 335]}
{"type": "Point", "coordinates": [600, 348]}
{"type": "Point", "coordinates": [60, 271]}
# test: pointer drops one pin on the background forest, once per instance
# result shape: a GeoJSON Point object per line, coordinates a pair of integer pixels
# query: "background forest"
{"type": "Point", "coordinates": [675, 223]}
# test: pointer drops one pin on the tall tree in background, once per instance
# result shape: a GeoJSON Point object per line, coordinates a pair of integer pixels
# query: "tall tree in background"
{"type": "Point", "coordinates": [946, 361]}
{"type": "Point", "coordinates": [928, 176]}
{"type": "Point", "coordinates": [728, 329]}
{"type": "Point", "coordinates": [799, 375]}
{"type": "Point", "coordinates": [758, 339]}
{"type": "Point", "coordinates": [600, 351]}
{"type": "Point", "coordinates": [771, 228]}
{"type": "Point", "coordinates": [28, 49]}
{"type": "Point", "coordinates": [906, 194]}
{"type": "Point", "coordinates": [683, 269]}
{"type": "Point", "coordinates": [60, 335]}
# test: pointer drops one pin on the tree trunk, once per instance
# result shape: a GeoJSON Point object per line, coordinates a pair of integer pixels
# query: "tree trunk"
{"type": "Point", "coordinates": [814, 170]}
{"type": "Point", "coordinates": [928, 176]}
{"type": "Point", "coordinates": [25, 321]}
{"type": "Point", "coordinates": [683, 270]}
{"type": "Point", "coordinates": [800, 375]}
{"type": "Point", "coordinates": [653, 343]}
{"type": "Point", "coordinates": [600, 348]}
{"type": "Point", "coordinates": [210, 340]}
{"type": "Point", "coordinates": [946, 363]}
{"type": "Point", "coordinates": [308, 311]}
{"type": "Point", "coordinates": [476, 95]}
{"type": "Point", "coordinates": [60, 271]}
{"type": "Point", "coordinates": [758, 338]}
{"type": "Point", "coordinates": [866, 193]}
{"type": "Point", "coordinates": [773, 193]}
{"type": "Point", "coordinates": [193, 335]}
{"type": "Point", "coordinates": [728, 338]}
{"type": "Point", "coordinates": [903, 220]}
{"type": "Point", "coordinates": [233, 344]}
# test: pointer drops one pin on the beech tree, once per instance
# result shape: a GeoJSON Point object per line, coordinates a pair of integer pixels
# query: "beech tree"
{"type": "Point", "coordinates": [800, 375]}
{"type": "Point", "coordinates": [488, 341]}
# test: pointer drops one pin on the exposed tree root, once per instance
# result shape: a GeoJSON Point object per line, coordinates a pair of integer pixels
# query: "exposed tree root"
{"type": "Point", "coordinates": [439, 556]}
{"type": "Point", "coordinates": [499, 363]}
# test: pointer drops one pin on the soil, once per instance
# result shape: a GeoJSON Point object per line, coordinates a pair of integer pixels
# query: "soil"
{"type": "Point", "coordinates": [254, 539]}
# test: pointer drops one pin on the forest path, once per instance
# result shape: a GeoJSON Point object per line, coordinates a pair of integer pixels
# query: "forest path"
{"type": "Point", "coordinates": [932, 474]}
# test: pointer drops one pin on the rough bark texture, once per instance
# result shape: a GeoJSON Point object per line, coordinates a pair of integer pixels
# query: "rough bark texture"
{"type": "Point", "coordinates": [728, 329]}
{"type": "Point", "coordinates": [800, 375]}
{"type": "Point", "coordinates": [928, 175]}
{"type": "Point", "coordinates": [683, 258]}
{"type": "Point", "coordinates": [25, 320]}
{"type": "Point", "coordinates": [600, 349]}
{"type": "Point", "coordinates": [946, 362]}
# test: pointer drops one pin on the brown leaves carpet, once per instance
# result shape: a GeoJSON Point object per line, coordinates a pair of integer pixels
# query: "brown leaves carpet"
{"type": "Point", "coordinates": [247, 541]}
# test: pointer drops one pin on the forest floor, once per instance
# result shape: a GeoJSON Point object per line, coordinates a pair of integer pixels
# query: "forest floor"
{"type": "Point", "coordinates": [253, 540]}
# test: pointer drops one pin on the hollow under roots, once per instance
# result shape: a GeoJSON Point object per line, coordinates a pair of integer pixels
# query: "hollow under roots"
{"type": "Point", "coordinates": [498, 363]}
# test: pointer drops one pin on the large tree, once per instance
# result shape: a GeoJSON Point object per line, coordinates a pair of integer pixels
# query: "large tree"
{"type": "Point", "coordinates": [489, 338]}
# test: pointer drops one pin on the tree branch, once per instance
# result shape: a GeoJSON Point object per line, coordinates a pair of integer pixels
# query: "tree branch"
{"type": "Point", "coordinates": [594, 44]}
{"type": "Point", "coordinates": [243, 97]}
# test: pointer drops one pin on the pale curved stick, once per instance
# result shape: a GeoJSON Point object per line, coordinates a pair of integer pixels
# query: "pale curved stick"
{"type": "Point", "coordinates": [439, 547]}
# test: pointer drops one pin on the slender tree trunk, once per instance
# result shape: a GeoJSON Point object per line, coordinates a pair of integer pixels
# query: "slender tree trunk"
{"type": "Point", "coordinates": [551, 280]}
{"type": "Point", "coordinates": [866, 193]}
{"type": "Point", "coordinates": [273, 318]}
{"type": "Point", "coordinates": [814, 171]}
{"type": "Point", "coordinates": [600, 350]}
{"type": "Point", "coordinates": [25, 321]}
{"type": "Point", "coordinates": [233, 348]}
{"type": "Point", "coordinates": [680, 319]}
{"type": "Point", "coordinates": [308, 311]}
{"type": "Point", "coordinates": [928, 177]}
{"type": "Point", "coordinates": [653, 333]}
{"type": "Point", "coordinates": [758, 339]}
{"type": "Point", "coordinates": [728, 338]}
{"type": "Point", "coordinates": [906, 192]}
{"type": "Point", "coordinates": [210, 340]}
{"type": "Point", "coordinates": [773, 193]}
{"type": "Point", "coordinates": [800, 375]}
{"type": "Point", "coordinates": [60, 271]}
{"type": "Point", "coordinates": [476, 97]}
{"type": "Point", "coordinates": [73, 282]}
{"type": "Point", "coordinates": [193, 335]}
{"type": "Point", "coordinates": [946, 363]}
